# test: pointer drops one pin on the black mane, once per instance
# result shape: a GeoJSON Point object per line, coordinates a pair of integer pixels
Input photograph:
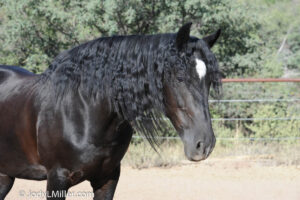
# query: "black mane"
{"type": "Point", "coordinates": [129, 70]}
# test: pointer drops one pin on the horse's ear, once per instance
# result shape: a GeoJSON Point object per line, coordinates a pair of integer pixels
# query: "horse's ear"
{"type": "Point", "coordinates": [183, 35]}
{"type": "Point", "coordinates": [211, 39]}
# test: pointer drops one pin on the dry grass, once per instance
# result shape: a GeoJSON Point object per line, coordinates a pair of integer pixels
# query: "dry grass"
{"type": "Point", "coordinates": [269, 153]}
{"type": "Point", "coordinates": [141, 155]}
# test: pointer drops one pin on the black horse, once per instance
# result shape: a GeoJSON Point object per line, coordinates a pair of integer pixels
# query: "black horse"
{"type": "Point", "coordinates": [74, 122]}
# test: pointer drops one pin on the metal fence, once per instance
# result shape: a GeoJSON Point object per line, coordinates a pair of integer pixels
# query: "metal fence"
{"type": "Point", "coordinates": [231, 123]}
{"type": "Point", "coordinates": [255, 92]}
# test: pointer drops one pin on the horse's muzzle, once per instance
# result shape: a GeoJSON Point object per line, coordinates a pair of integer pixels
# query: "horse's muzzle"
{"type": "Point", "coordinates": [199, 151]}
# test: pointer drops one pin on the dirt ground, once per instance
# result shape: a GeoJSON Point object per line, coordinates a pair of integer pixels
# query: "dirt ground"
{"type": "Point", "coordinates": [214, 179]}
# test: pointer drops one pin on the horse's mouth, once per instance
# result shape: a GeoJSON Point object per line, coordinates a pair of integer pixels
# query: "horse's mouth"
{"type": "Point", "coordinates": [196, 158]}
{"type": "Point", "coordinates": [200, 153]}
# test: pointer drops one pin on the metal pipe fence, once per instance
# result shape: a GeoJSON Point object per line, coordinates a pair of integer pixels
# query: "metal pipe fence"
{"type": "Point", "coordinates": [251, 100]}
{"type": "Point", "coordinates": [263, 80]}
{"type": "Point", "coordinates": [226, 139]}
{"type": "Point", "coordinates": [231, 120]}
{"type": "Point", "coordinates": [261, 96]}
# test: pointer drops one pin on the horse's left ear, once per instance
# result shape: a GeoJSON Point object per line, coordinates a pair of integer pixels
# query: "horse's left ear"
{"type": "Point", "coordinates": [211, 39]}
{"type": "Point", "coordinates": [183, 35]}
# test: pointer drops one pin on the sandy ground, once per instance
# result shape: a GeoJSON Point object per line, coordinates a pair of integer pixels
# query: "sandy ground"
{"type": "Point", "coordinates": [214, 179]}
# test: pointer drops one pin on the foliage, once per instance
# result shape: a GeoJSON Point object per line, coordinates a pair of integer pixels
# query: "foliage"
{"type": "Point", "coordinates": [34, 32]}
{"type": "Point", "coordinates": [273, 129]}
{"type": "Point", "coordinates": [282, 35]}
{"type": "Point", "coordinates": [293, 56]}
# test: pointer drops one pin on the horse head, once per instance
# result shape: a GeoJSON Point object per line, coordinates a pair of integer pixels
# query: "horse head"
{"type": "Point", "coordinates": [186, 90]}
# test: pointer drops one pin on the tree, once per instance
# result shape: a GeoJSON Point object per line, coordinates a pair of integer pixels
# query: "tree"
{"type": "Point", "coordinates": [33, 32]}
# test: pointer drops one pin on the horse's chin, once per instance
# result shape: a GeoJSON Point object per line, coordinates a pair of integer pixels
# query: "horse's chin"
{"type": "Point", "coordinates": [196, 158]}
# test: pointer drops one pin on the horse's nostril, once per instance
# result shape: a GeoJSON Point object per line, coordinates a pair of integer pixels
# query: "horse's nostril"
{"type": "Point", "coordinates": [199, 145]}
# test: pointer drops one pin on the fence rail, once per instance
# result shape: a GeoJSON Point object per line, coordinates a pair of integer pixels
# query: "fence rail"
{"type": "Point", "coordinates": [270, 100]}
{"type": "Point", "coordinates": [251, 100]}
{"type": "Point", "coordinates": [231, 80]}
{"type": "Point", "coordinates": [228, 138]}
{"type": "Point", "coordinates": [229, 125]}
{"type": "Point", "coordinates": [249, 119]}
{"type": "Point", "coordinates": [257, 119]}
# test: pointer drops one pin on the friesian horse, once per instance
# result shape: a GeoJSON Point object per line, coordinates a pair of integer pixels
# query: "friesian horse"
{"type": "Point", "coordinates": [74, 122]}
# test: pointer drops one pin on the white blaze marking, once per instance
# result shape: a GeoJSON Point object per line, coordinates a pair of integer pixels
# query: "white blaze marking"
{"type": "Point", "coordinates": [201, 68]}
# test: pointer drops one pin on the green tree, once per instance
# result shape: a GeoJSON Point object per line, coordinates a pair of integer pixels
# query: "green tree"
{"type": "Point", "coordinates": [33, 32]}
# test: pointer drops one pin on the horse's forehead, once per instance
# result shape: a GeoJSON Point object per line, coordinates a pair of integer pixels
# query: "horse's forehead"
{"type": "Point", "coordinates": [200, 68]}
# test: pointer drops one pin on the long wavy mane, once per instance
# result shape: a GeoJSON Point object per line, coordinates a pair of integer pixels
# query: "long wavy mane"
{"type": "Point", "coordinates": [128, 70]}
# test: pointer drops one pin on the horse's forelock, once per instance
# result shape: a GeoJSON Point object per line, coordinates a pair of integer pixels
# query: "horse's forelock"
{"type": "Point", "coordinates": [212, 65]}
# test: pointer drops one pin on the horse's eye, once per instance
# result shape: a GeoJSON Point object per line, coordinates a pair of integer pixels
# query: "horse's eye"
{"type": "Point", "coordinates": [189, 53]}
{"type": "Point", "coordinates": [180, 78]}
{"type": "Point", "coordinates": [181, 75]}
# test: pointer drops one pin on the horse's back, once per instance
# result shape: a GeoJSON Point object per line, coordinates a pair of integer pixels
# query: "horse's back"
{"type": "Point", "coordinates": [14, 73]}
{"type": "Point", "coordinates": [16, 69]}
{"type": "Point", "coordinates": [6, 71]}
{"type": "Point", "coordinates": [14, 81]}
